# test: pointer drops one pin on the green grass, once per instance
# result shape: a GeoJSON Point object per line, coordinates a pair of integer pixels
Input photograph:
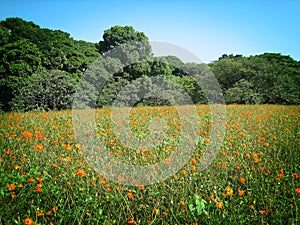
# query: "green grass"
{"type": "Point", "coordinates": [45, 179]}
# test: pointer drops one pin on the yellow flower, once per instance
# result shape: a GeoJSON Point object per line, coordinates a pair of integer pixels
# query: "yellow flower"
{"type": "Point", "coordinates": [229, 191]}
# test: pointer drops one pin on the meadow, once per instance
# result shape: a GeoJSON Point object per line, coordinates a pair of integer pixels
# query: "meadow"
{"type": "Point", "coordinates": [254, 178]}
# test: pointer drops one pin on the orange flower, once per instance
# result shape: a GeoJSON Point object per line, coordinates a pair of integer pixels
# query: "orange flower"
{"type": "Point", "coordinates": [39, 147]}
{"type": "Point", "coordinates": [207, 140]}
{"type": "Point", "coordinates": [130, 195]}
{"type": "Point", "coordinates": [140, 186]}
{"type": "Point", "coordinates": [28, 221]}
{"type": "Point", "coordinates": [54, 209]}
{"type": "Point", "coordinates": [39, 213]}
{"type": "Point", "coordinates": [38, 189]}
{"type": "Point", "coordinates": [212, 198]}
{"type": "Point", "coordinates": [131, 222]}
{"type": "Point", "coordinates": [242, 180]}
{"type": "Point", "coordinates": [219, 204]}
{"type": "Point", "coordinates": [40, 180]}
{"type": "Point", "coordinates": [193, 160]}
{"type": "Point", "coordinates": [27, 134]}
{"type": "Point", "coordinates": [17, 167]}
{"type": "Point", "coordinates": [241, 192]}
{"type": "Point", "coordinates": [80, 173]}
{"type": "Point", "coordinates": [296, 176]}
{"type": "Point", "coordinates": [263, 212]}
{"type": "Point", "coordinates": [194, 168]}
{"type": "Point", "coordinates": [13, 194]}
{"type": "Point", "coordinates": [297, 191]}
{"type": "Point", "coordinates": [184, 172]}
{"type": "Point", "coordinates": [11, 187]}
{"type": "Point", "coordinates": [30, 180]}
{"type": "Point", "coordinates": [68, 147]}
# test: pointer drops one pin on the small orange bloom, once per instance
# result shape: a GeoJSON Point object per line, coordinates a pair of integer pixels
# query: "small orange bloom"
{"type": "Point", "coordinates": [263, 212]}
{"type": "Point", "coordinates": [219, 204]}
{"type": "Point", "coordinates": [131, 222]}
{"type": "Point", "coordinates": [241, 192]}
{"type": "Point", "coordinates": [11, 187]}
{"type": "Point", "coordinates": [242, 180]}
{"type": "Point", "coordinates": [297, 191]}
{"type": "Point", "coordinates": [140, 186]}
{"type": "Point", "coordinates": [27, 134]}
{"type": "Point", "coordinates": [40, 180]}
{"type": "Point", "coordinates": [194, 168]}
{"type": "Point", "coordinates": [30, 180]}
{"type": "Point", "coordinates": [13, 194]}
{"type": "Point", "coordinates": [130, 195]}
{"type": "Point", "coordinates": [68, 147]}
{"type": "Point", "coordinates": [207, 140]}
{"type": "Point", "coordinates": [212, 198]}
{"type": "Point", "coordinates": [80, 173]}
{"type": "Point", "coordinates": [193, 160]}
{"type": "Point", "coordinates": [184, 172]}
{"type": "Point", "coordinates": [39, 213]}
{"type": "Point", "coordinates": [296, 176]}
{"type": "Point", "coordinates": [28, 221]}
{"type": "Point", "coordinates": [17, 167]}
{"type": "Point", "coordinates": [39, 147]}
{"type": "Point", "coordinates": [38, 189]}
{"type": "Point", "coordinates": [54, 209]}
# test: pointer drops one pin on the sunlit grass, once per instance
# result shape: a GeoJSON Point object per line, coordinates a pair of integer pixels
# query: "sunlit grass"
{"type": "Point", "coordinates": [44, 178]}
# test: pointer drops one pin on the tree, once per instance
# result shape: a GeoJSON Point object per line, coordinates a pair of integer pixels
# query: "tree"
{"type": "Point", "coordinates": [129, 46]}
{"type": "Point", "coordinates": [18, 60]}
{"type": "Point", "coordinates": [242, 93]}
{"type": "Point", "coordinates": [46, 90]}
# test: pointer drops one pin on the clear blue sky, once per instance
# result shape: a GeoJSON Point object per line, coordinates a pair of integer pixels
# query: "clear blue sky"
{"type": "Point", "coordinates": [206, 28]}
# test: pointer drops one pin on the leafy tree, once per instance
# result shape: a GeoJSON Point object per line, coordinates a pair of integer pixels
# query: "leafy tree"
{"type": "Point", "coordinates": [58, 49]}
{"type": "Point", "coordinates": [18, 60]}
{"type": "Point", "coordinates": [129, 46]}
{"type": "Point", "coordinates": [46, 90]}
{"type": "Point", "coordinates": [242, 93]}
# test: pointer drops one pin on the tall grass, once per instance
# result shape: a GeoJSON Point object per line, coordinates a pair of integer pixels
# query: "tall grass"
{"type": "Point", "coordinates": [45, 179]}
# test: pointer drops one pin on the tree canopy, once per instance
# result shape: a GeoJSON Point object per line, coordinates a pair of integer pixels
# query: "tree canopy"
{"type": "Point", "coordinates": [40, 68]}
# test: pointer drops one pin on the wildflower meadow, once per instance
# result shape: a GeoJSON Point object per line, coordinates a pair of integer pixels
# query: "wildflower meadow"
{"type": "Point", "coordinates": [254, 178]}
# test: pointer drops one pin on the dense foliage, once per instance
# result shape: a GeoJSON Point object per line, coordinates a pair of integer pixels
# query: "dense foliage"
{"type": "Point", "coordinates": [27, 51]}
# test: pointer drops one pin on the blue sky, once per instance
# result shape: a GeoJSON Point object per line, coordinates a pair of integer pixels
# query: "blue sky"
{"type": "Point", "coordinates": [206, 28]}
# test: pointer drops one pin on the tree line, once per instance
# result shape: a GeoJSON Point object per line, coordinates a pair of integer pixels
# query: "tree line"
{"type": "Point", "coordinates": [41, 68]}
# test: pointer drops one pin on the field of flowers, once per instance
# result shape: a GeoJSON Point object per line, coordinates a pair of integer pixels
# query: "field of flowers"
{"type": "Point", "coordinates": [254, 179]}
